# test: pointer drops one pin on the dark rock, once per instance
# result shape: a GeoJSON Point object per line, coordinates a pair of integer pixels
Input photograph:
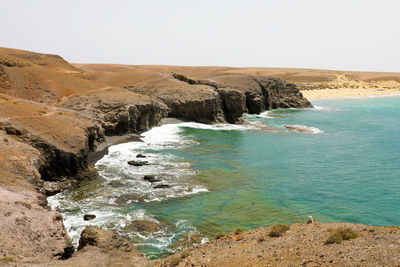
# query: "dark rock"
{"type": "Point", "coordinates": [143, 225]}
{"type": "Point", "coordinates": [107, 240]}
{"type": "Point", "coordinates": [233, 103]}
{"type": "Point", "coordinates": [115, 183]}
{"type": "Point", "coordinates": [254, 103]}
{"type": "Point", "coordinates": [161, 186]}
{"type": "Point", "coordinates": [140, 155]}
{"type": "Point", "coordinates": [88, 217]}
{"type": "Point", "coordinates": [151, 178]}
{"type": "Point", "coordinates": [137, 163]}
{"type": "Point", "coordinates": [279, 94]}
{"type": "Point", "coordinates": [126, 198]}
{"type": "Point", "coordinates": [51, 188]}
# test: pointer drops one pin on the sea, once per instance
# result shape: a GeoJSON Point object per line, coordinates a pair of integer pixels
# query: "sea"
{"type": "Point", "coordinates": [338, 161]}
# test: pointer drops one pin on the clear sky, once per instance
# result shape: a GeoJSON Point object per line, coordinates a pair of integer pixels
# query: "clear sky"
{"type": "Point", "coordinates": [327, 34]}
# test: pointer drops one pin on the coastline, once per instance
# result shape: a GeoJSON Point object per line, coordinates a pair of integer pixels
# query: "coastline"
{"type": "Point", "coordinates": [102, 148]}
{"type": "Point", "coordinates": [346, 93]}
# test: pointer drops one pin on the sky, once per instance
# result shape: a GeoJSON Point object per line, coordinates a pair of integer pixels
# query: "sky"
{"type": "Point", "coordinates": [359, 35]}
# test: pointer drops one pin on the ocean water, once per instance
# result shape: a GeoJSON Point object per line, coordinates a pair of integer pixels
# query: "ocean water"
{"type": "Point", "coordinates": [336, 162]}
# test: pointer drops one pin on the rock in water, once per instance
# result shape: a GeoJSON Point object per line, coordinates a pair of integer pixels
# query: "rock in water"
{"type": "Point", "coordinates": [162, 186]}
{"type": "Point", "coordinates": [140, 155]}
{"type": "Point", "coordinates": [151, 178]}
{"type": "Point", "coordinates": [88, 217]}
{"type": "Point", "coordinates": [137, 163]}
{"type": "Point", "coordinates": [310, 219]}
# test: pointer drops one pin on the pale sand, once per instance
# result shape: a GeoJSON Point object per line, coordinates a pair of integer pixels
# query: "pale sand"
{"type": "Point", "coordinates": [348, 92]}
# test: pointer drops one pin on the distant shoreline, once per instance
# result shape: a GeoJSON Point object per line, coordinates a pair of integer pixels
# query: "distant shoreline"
{"type": "Point", "coordinates": [345, 93]}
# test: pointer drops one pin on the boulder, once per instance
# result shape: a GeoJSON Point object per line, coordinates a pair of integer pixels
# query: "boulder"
{"type": "Point", "coordinates": [161, 186]}
{"type": "Point", "coordinates": [137, 163]}
{"type": "Point", "coordinates": [140, 155]}
{"type": "Point", "coordinates": [151, 178]}
{"type": "Point", "coordinates": [88, 217]}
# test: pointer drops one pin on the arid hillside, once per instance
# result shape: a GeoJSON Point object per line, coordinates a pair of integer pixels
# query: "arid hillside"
{"type": "Point", "coordinates": [316, 78]}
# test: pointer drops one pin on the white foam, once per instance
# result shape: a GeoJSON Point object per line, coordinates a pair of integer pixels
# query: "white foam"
{"type": "Point", "coordinates": [304, 129]}
{"type": "Point", "coordinates": [324, 108]}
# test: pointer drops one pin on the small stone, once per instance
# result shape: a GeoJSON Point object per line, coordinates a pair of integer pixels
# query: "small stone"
{"type": "Point", "coordinates": [161, 186]}
{"type": "Point", "coordinates": [151, 178]}
{"type": "Point", "coordinates": [137, 163]}
{"type": "Point", "coordinates": [88, 217]}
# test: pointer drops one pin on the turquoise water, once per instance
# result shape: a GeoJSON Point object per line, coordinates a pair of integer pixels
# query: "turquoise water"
{"type": "Point", "coordinates": [350, 171]}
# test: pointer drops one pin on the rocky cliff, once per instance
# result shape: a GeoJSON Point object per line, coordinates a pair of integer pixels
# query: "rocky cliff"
{"type": "Point", "coordinates": [232, 99]}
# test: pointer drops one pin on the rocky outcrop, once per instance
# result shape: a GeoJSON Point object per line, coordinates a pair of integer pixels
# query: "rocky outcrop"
{"type": "Point", "coordinates": [279, 94]}
{"type": "Point", "coordinates": [204, 109]}
{"type": "Point", "coordinates": [119, 111]}
{"type": "Point", "coordinates": [120, 250]}
{"type": "Point", "coordinates": [237, 95]}
{"type": "Point", "coordinates": [233, 104]}
{"type": "Point", "coordinates": [255, 102]}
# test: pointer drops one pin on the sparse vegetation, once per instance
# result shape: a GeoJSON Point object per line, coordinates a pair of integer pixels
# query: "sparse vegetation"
{"type": "Point", "coordinates": [7, 259]}
{"type": "Point", "coordinates": [278, 229]}
{"type": "Point", "coordinates": [219, 235]}
{"type": "Point", "coordinates": [340, 234]}
{"type": "Point", "coordinates": [174, 261]}
{"type": "Point", "coordinates": [238, 231]}
{"type": "Point", "coordinates": [185, 253]}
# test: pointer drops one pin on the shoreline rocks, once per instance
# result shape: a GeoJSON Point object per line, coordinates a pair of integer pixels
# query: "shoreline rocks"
{"type": "Point", "coordinates": [138, 163]}
{"type": "Point", "coordinates": [151, 178]}
{"type": "Point", "coordinates": [89, 217]}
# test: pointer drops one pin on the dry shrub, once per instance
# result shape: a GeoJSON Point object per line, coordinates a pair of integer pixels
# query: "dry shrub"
{"type": "Point", "coordinates": [238, 231]}
{"type": "Point", "coordinates": [219, 235]}
{"type": "Point", "coordinates": [277, 230]}
{"type": "Point", "coordinates": [340, 234]}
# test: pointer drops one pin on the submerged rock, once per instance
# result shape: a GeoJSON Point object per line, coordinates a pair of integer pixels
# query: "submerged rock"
{"type": "Point", "coordinates": [144, 225]}
{"type": "Point", "coordinates": [88, 217]}
{"type": "Point", "coordinates": [115, 183]}
{"type": "Point", "coordinates": [140, 155]}
{"type": "Point", "coordinates": [151, 178]}
{"type": "Point", "coordinates": [137, 163]}
{"type": "Point", "coordinates": [303, 129]}
{"type": "Point", "coordinates": [161, 186]}
{"type": "Point", "coordinates": [187, 240]}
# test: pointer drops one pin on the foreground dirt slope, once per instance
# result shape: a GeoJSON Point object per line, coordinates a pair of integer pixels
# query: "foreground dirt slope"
{"type": "Point", "coordinates": [302, 245]}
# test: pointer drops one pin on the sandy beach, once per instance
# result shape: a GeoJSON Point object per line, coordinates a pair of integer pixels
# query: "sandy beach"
{"type": "Point", "coordinates": [348, 92]}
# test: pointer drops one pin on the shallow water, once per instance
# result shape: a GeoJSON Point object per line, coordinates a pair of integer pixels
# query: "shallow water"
{"type": "Point", "coordinates": [342, 164]}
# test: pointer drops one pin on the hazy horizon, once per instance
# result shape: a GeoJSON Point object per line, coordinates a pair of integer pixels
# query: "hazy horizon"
{"type": "Point", "coordinates": [341, 35]}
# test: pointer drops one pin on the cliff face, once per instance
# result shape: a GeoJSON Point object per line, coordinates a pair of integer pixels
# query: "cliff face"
{"type": "Point", "coordinates": [117, 110]}
{"type": "Point", "coordinates": [237, 95]}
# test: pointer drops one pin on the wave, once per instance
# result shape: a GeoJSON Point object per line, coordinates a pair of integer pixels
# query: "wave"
{"type": "Point", "coordinates": [266, 114]}
{"type": "Point", "coordinates": [325, 108]}
{"type": "Point", "coordinates": [160, 234]}
{"type": "Point", "coordinates": [304, 129]}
